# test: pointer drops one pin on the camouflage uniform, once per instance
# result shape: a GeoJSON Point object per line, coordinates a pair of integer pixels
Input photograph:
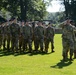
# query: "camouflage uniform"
{"type": "Point", "coordinates": [27, 37]}
{"type": "Point", "coordinates": [20, 39]}
{"type": "Point", "coordinates": [1, 32]}
{"type": "Point", "coordinates": [4, 36]}
{"type": "Point", "coordinates": [68, 40]}
{"type": "Point", "coordinates": [15, 32]}
{"type": "Point", "coordinates": [75, 46]}
{"type": "Point", "coordinates": [39, 37]}
{"type": "Point", "coordinates": [8, 34]}
{"type": "Point", "coordinates": [49, 37]}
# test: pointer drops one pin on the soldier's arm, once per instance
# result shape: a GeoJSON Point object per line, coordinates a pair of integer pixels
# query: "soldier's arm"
{"type": "Point", "coordinates": [61, 25]}
{"type": "Point", "coordinates": [31, 32]}
{"type": "Point", "coordinates": [74, 29]}
{"type": "Point", "coordinates": [53, 31]}
{"type": "Point", "coordinates": [35, 31]}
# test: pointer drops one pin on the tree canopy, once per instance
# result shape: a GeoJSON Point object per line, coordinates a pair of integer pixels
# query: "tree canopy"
{"type": "Point", "coordinates": [24, 9]}
{"type": "Point", "coordinates": [70, 8]}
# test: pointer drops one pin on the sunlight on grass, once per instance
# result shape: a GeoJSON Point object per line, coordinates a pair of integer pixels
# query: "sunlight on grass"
{"type": "Point", "coordinates": [38, 64]}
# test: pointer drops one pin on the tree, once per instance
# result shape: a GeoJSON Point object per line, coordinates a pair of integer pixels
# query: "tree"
{"type": "Point", "coordinates": [24, 9]}
{"type": "Point", "coordinates": [70, 6]}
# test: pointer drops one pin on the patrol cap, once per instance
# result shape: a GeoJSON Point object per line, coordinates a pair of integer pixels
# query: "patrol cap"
{"type": "Point", "coordinates": [71, 21]}
{"type": "Point", "coordinates": [68, 18]}
{"type": "Point", "coordinates": [12, 19]}
{"type": "Point", "coordinates": [4, 21]}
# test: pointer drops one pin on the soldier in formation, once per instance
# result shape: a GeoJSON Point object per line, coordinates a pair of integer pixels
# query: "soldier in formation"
{"type": "Point", "coordinates": [49, 37]}
{"type": "Point", "coordinates": [27, 36]}
{"type": "Point", "coordinates": [1, 33]}
{"type": "Point", "coordinates": [15, 32]}
{"type": "Point", "coordinates": [18, 37]}
{"type": "Point", "coordinates": [39, 36]}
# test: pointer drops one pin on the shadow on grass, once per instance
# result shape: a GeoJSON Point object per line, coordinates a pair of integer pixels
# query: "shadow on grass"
{"type": "Point", "coordinates": [39, 52]}
{"type": "Point", "coordinates": [62, 64]}
{"type": "Point", "coordinates": [5, 53]}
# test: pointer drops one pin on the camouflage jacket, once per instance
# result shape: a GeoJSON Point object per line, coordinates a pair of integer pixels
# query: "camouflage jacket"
{"type": "Point", "coordinates": [39, 32]}
{"type": "Point", "coordinates": [1, 29]}
{"type": "Point", "coordinates": [49, 32]}
{"type": "Point", "coordinates": [15, 29]}
{"type": "Point", "coordinates": [27, 31]}
{"type": "Point", "coordinates": [68, 31]}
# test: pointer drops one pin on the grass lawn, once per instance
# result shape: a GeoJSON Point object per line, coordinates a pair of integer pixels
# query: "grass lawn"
{"type": "Point", "coordinates": [38, 64]}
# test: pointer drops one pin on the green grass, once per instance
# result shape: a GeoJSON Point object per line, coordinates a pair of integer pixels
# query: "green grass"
{"type": "Point", "coordinates": [38, 64]}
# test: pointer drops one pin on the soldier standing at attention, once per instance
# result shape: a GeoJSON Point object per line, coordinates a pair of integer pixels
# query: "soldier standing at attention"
{"type": "Point", "coordinates": [39, 36]}
{"type": "Point", "coordinates": [15, 32]}
{"type": "Point", "coordinates": [67, 38]}
{"type": "Point", "coordinates": [21, 36]}
{"type": "Point", "coordinates": [8, 34]}
{"type": "Point", "coordinates": [1, 32]}
{"type": "Point", "coordinates": [4, 35]}
{"type": "Point", "coordinates": [27, 36]}
{"type": "Point", "coordinates": [49, 37]}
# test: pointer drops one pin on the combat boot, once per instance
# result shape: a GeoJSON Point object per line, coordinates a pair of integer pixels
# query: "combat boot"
{"type": "Point", "coordinates": [52, 48]}
{"type": "Point", "coordinates": [71, 58]}
{"type": "Point", "coordinates": [41, 49]}
{"type": "Point", "coordinates": [64, 58]}
{"type": "Point", "coordinates": [75, 54]}
{"type": "Point", "coordinates": [46, 50]}
{"type": "Point", "coordinates": [30, 50]}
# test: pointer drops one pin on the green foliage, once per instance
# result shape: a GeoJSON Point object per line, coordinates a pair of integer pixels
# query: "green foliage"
{"type": "Point", "coordinates": [56, 17]}
{"type": "Point", "coordinates": [70, 6]}
{"type": "Point", "coordinates": [24, 9]}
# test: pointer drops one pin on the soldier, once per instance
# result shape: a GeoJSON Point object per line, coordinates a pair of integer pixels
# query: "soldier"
{"type": "Point", "coordinates": [75, 47]}
{"type": "Point", "coordinates": [1, 32]}
{"type": "Point", "coordinates": [67, 38]}
{"type": "Point", "coordinates": [27, 36]}
{"type": "Point", "coordinates": [4, 35]}
{"type": "Point", "coordinates": [21, 37]}
{"type": "Point", "coordinates": [15, 32]}
{"type": "Point", "coordinates": [72, 23]}
{"type": "Point", "coordinates": [8, 34]}
{"type": "Point", "coordinates": [39, 36]}
{"type": "Point", "coordinates": [49, 37]}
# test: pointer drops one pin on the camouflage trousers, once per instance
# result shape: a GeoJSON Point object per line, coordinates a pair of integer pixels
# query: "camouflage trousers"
{"type": "Point", "coordinates": [14, 43]}
{"type": "Point", "coordinates": [38, 42]}
{"type": "Point", "coordinates": [27, 43]}
{"type": "Point", "coordinates": [67, 45]}
{"type": "Point", "coordinates": [47, 42]}
{"type": "Point", "coordinates": [75, 49]}
{"type": "Point", "coordinates": [20, 42]}
{"type": "Point", "coordinates": [6, 41]}
{"type": "Point", "coordinates": [1, 40]}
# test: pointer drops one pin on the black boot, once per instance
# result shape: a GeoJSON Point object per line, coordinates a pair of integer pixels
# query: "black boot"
{"type": "Point", "coordinates": [74, 55]}
{"type": "Point", "coordinates": [41, 49]}
{"type": "Point", "coordinates": [71, 58]}
{"type": "Point", "coordinates": [52, 47]}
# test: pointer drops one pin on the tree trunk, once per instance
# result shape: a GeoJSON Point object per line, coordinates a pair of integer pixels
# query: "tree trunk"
{"type": "Point", "coordinates": [23, 11]}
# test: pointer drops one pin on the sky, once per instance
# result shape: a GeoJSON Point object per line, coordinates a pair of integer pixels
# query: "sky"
{"type": "Point", "coordinates": [55, 7]}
